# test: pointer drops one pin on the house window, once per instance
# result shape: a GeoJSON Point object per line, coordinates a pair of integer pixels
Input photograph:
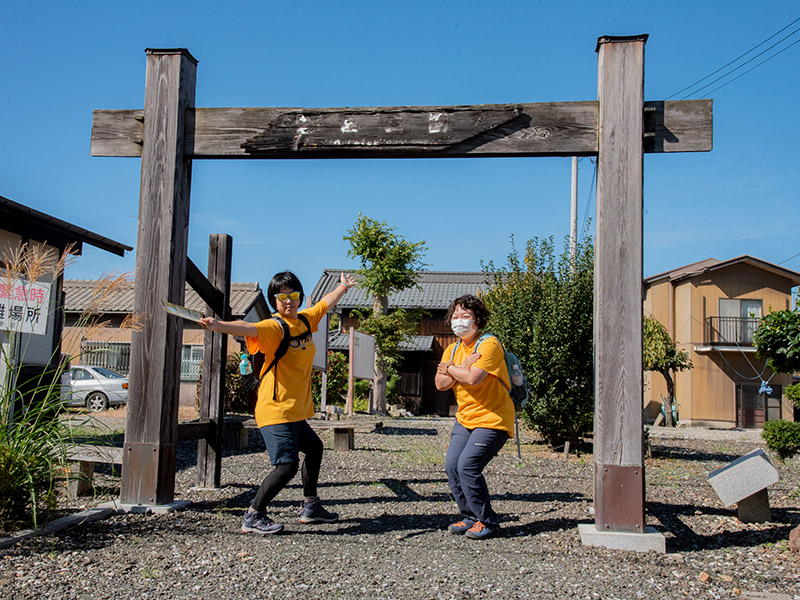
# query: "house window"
{"type": "Point", "coordinates": [738, 319]}
{"type": "Point", "coordinates": [191, 361]}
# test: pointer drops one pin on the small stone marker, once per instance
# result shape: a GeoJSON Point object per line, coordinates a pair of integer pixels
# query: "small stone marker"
{"type": "Point", "coordinates": [794, 538]}
{"type": "Point", "coordinates": [744, 482]}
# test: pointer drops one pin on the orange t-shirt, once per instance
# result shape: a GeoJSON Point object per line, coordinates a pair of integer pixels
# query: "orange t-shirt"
{"type": "Point", "coordinates": [292, 397]}
{"type": "Point", "coordinates": [486, 404]}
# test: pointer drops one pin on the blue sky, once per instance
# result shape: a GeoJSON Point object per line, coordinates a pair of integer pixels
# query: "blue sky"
{"type": "Point", "coordinates": [61, 60]}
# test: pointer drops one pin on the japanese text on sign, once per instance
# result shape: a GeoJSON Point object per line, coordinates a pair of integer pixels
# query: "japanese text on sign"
{"type": "Point", "coordinates": [23, 306]}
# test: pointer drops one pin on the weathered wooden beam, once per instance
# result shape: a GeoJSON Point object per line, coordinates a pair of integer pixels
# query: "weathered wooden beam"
{"type": "Point", "coordinates": [539, 129]}
{"type": "Point", "coordinates": [215, 354]}
{"type": "Point", "coordinates": [195, 430]}
{"type": "Point", "coordinates": [150, 449]}
{"type": "Point", "coordinates": [618, 447]}
{"type": "Point", "coordinates": [208, 293]}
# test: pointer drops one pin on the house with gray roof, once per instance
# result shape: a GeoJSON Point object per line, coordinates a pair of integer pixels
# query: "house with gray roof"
{"type": "Point", "coordinates": [98, 325]}
{"type": "Point", "coordinates": [421, 353]}
{"type": "Point", "coordinates": [31, 318]}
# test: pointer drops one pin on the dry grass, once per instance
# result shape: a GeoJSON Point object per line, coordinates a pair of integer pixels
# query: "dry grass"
{"type": "Point", "coordinates": [185, 413]}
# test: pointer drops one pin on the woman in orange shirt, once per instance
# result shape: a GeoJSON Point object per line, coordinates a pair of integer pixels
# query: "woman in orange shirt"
{"type": "Point", "coordinates": [284, 396]}
{"type": "Point", "coordinates": [485, 416]}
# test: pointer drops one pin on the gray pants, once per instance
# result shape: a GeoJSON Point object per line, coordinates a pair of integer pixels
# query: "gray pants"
{"type": "Point", "coordinates": [469, 452]}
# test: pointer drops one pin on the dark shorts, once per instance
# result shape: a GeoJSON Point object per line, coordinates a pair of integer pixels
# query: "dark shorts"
{"type": "Point", "coordinates": [285, 441]}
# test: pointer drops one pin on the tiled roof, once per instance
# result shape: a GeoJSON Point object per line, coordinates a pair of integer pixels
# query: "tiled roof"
{"type": "Point", "coordinates": [712, 264]}
{"type": "Point", "coordinates": [81, 292]}
{"type": "Point", "coordinates": [436, 289]}
{"type": "Point", "coordinates": [413, 343]}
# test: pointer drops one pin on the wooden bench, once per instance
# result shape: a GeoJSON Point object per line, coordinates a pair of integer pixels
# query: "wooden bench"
{"type": "Point", "coordinates": [344, 431]}
{"type": "Point", "coordinates": [79, 481]}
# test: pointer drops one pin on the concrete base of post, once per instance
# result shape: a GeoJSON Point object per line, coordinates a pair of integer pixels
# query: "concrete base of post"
{"type": "Point", "coordinates": [158, 509]}
{"type": "Point", "coordinates": [615, 540]}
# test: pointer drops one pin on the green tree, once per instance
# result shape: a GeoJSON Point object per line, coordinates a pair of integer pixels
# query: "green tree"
{"type": "Point", "coordinates": [388, 264]}
{"type": "Point", "coordinates": [662, 355]}
{"type": "Point", "coordinates": [777, 339]}
{"type": "Point", "coordinates": [542, 309]}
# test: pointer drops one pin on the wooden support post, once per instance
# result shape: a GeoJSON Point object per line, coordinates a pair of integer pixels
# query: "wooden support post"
{"type": "Point", "coordinates": [149, 458]}
{"type": "Point", "coordinates": [348, 407]}
{"type": "Point", "coordinates": [618, 446]}
{"type": "Point", "coordinates": [215, 353]}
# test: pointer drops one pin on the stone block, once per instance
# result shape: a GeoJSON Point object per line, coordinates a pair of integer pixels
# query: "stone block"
{"type": "Point", "coordinates": [755, 508]}
{"type": "Point", "coordinates": [744, 482]}
{"type": "Point", "coordinates": [794, 538]}
{"type": "Point", "coordinates": [743, 477]}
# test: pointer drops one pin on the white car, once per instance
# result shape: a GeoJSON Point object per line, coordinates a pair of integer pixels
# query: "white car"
{"type": "Point", "coordinates": [96, 388]}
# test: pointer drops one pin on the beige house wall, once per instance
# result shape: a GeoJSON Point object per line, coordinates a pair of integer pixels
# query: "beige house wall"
{"type": "Point", "coordinates": [706, 394]}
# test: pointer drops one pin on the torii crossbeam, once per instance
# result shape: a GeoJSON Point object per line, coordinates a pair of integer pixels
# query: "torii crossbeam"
{"type": "Point", "coordinates": [618, 128]}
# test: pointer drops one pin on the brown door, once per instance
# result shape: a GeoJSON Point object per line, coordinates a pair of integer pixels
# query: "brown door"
{"type": "Point", "coordinates": [749, 406]}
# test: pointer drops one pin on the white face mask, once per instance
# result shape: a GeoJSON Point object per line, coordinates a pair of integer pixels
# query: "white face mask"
{"type": "Point", "coordinates": [462, 327]}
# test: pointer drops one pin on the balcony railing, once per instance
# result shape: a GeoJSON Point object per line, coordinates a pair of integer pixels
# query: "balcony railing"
{"type": "Point", "coordinates": [729, 331]}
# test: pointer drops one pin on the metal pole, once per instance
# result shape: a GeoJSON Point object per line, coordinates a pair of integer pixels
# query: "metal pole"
{"type": "Point", "coordinates": [573, 214]}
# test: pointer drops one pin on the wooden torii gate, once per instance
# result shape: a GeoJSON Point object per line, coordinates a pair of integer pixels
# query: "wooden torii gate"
{"type": "Point", "coordinates": [617, 128]}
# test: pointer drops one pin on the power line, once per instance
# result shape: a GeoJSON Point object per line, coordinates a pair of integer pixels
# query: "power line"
{"type": "Point", "coordinates": [755, 67]}
{"type": "Point", "coordinates": [739, 57]}
{"type": "Point", "coordinates": [790, 258]}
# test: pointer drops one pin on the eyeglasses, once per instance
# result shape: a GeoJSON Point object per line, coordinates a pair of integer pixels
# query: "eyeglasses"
{"type": "Point", "coordinates": [282, 297]}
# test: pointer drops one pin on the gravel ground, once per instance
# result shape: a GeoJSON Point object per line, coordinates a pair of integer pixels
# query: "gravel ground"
{"type": "Point", "coordinates": [391, 541]}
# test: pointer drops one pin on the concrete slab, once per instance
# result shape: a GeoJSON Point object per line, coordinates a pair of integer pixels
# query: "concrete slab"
{"type": "Point", "coordinates": [615, 540]}
{"type": "Point", "coordinates": [159, 509]}
{"type": "Point", "coordinates": [743, 477]}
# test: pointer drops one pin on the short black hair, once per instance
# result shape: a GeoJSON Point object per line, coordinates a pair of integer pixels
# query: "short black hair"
{"type": "Point", "coordinates": [473, 303]}
{"type": "Point", "coordinates": [280, 280]}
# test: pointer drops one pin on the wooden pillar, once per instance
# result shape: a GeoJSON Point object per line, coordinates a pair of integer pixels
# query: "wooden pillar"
{"type": "Point", "coordinates": [215, 355]}
{"type": "Point", "coordinates": [348, 407]}
{"type": "Point", "coordinates": [618, 447]}
{"type": "Point", "coordinates": [148, 468]}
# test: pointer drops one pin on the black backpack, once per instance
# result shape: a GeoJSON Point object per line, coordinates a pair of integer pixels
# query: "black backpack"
{"type": "Point", "coordinates": [250, 382]}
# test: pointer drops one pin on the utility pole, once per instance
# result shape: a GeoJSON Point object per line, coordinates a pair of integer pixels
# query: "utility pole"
{"type": "Point", "coordinates": [573, 214]}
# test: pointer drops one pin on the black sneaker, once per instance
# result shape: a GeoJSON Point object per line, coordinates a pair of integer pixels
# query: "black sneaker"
{"type": "Point", "coordinates": [315, 513]}
{"type": "Point", "coordinates": [257, 521]}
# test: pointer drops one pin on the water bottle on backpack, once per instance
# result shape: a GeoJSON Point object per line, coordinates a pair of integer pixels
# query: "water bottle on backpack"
{"type": "Point", "coordinates": [245, 368]}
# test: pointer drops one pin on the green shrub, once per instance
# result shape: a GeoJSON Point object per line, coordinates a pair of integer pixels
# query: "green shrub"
{"type": "Point", "coordinates": [793, 393]}
{"type": "Point", "coordinates": [32, 455]}
{"type": "Point", "coordinates": [337, 381]}
{"type": "Point", "coordinates": [361, 389]}
{"type": "Point", "coordinates": [541, 308]}
{"type": "Point", "coordinates": [236, 399]}
{"type": "Point", "coordinates": [782, 438]}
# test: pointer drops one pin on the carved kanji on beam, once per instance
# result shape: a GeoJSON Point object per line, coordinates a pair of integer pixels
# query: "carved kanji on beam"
{"type": "Point", "coordinates": [490, 130]}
